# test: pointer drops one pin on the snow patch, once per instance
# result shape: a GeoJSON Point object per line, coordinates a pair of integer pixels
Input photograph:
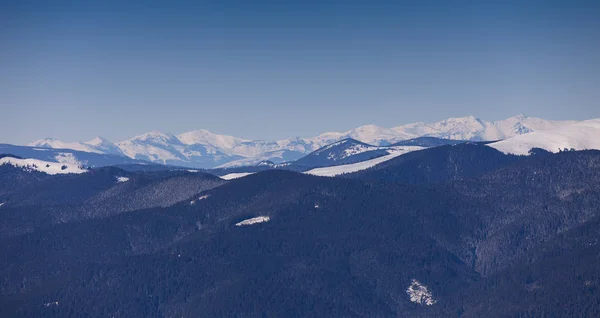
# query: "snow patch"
{"type": "Point", "coordinates": [258, 219]}
{"type": "Point", "coordinates": [419, 294]}
{"type": "Point", "coordinates": [341, 169]}
{"type": "Point", "coordinates": [42, 166]}
{"type": "Point", "coordinates": [67, 158]}
{"type": "Point", "coordinates": [122, 179]}
{"type": "Point", "coordinates": [232, 176]}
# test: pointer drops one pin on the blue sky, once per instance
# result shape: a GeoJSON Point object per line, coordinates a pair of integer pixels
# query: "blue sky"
{"type": "Point", "coordinates": [275, 69]}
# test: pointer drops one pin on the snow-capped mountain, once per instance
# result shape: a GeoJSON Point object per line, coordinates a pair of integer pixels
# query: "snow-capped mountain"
{"type": "Point", "coordinates": [205, 137]}
{"type": "Point", "coordinates": [475, 129]}
{"type": "Point", "coordinates": [204, 149]}
{"type": "Point", "coordinates": [57, 144]}
{"type": "Point", "coordinates": [375, 135]}
{"type": "Point", "coordinates": [577, 136]}
{"type": "Point", "coordinates": [97, 145]}
{"type": "Point", "coordinates": [169, 149]}
{"type": "Point", "coordinates": [104, 146]}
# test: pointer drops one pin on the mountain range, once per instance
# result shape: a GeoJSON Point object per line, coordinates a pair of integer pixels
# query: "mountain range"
{"type": "Point", "coordinates": [204, 149]}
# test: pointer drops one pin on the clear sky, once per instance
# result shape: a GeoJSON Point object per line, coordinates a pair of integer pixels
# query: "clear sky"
{"type": "Point", "coordinates": [275, 69]}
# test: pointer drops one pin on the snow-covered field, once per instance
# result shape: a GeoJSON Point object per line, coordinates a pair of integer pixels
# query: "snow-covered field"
{"type": "Point", "coordinates": [341, 169]}
{"type": "Point", "coordinates": [579, 136]}
{"type": "Point", "coordinates": [42, 166]}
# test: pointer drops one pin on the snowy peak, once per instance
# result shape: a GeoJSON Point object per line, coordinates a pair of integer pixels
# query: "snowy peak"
{"type": "Point", "coordinates": [156, 137]}
{"type": "Point", "coordinates": [462, 128]}
{"type": "Point", "coordinates": [57, 144]}
{"type": "Point", "coordinates": [375, 135]}
{"type": "Point", "coordinates": [459, 125]}
{"type": "Point", "coordinates": [98, 141]}
{"type": "Point", "coordinates": [205, 137]}
{"type": "Point", "coordinates": [475, 129]}
{"type": "Point", "coordinates": [103, 145]}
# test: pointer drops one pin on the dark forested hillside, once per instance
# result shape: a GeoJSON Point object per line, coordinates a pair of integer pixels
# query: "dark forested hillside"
{"type": "Point", "coordinates": [438, 164]}
{"type": "Point", "coordinates": [37, 199]}
{"type": "Point", "coordinates": [492, 235]}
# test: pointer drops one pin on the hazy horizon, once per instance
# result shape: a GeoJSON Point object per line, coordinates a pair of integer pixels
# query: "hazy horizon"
{"type": "Point", "coordinates": [288, 137]}
{"type": "Point", "coordinates": [272, 70]}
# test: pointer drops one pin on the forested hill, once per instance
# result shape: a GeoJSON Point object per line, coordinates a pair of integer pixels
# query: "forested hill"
{"type": "Point", "coordinates": [472, 232]}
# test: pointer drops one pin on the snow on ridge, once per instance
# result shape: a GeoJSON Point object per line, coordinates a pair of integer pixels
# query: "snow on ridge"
{"type": "Point", "coordinates": [236, 175]}
{"type": "Point", "coordinates": [341, 142]}
{"type": "Point", "coordinates": [42, 166]}
{"type": "Point", "coordinates": [258, 219]}
{"type": "Point", "coordinates": [354, 167]}
{"type": "Point", "coordinates": [358, 149]}
{"type": "Point", "coordinates": [419, 293]}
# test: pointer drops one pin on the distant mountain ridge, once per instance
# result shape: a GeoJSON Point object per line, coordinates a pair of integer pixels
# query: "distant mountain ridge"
{"type": "Point", "coordinates": [203, 149]}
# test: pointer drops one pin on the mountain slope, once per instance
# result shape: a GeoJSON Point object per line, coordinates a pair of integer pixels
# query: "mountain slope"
{"type": "Point", "coordinates": [342, 152]}
{"type": "Point", "coordinates": [438, 164]}
{"type": "Point", "coordinates": [331, 171]}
